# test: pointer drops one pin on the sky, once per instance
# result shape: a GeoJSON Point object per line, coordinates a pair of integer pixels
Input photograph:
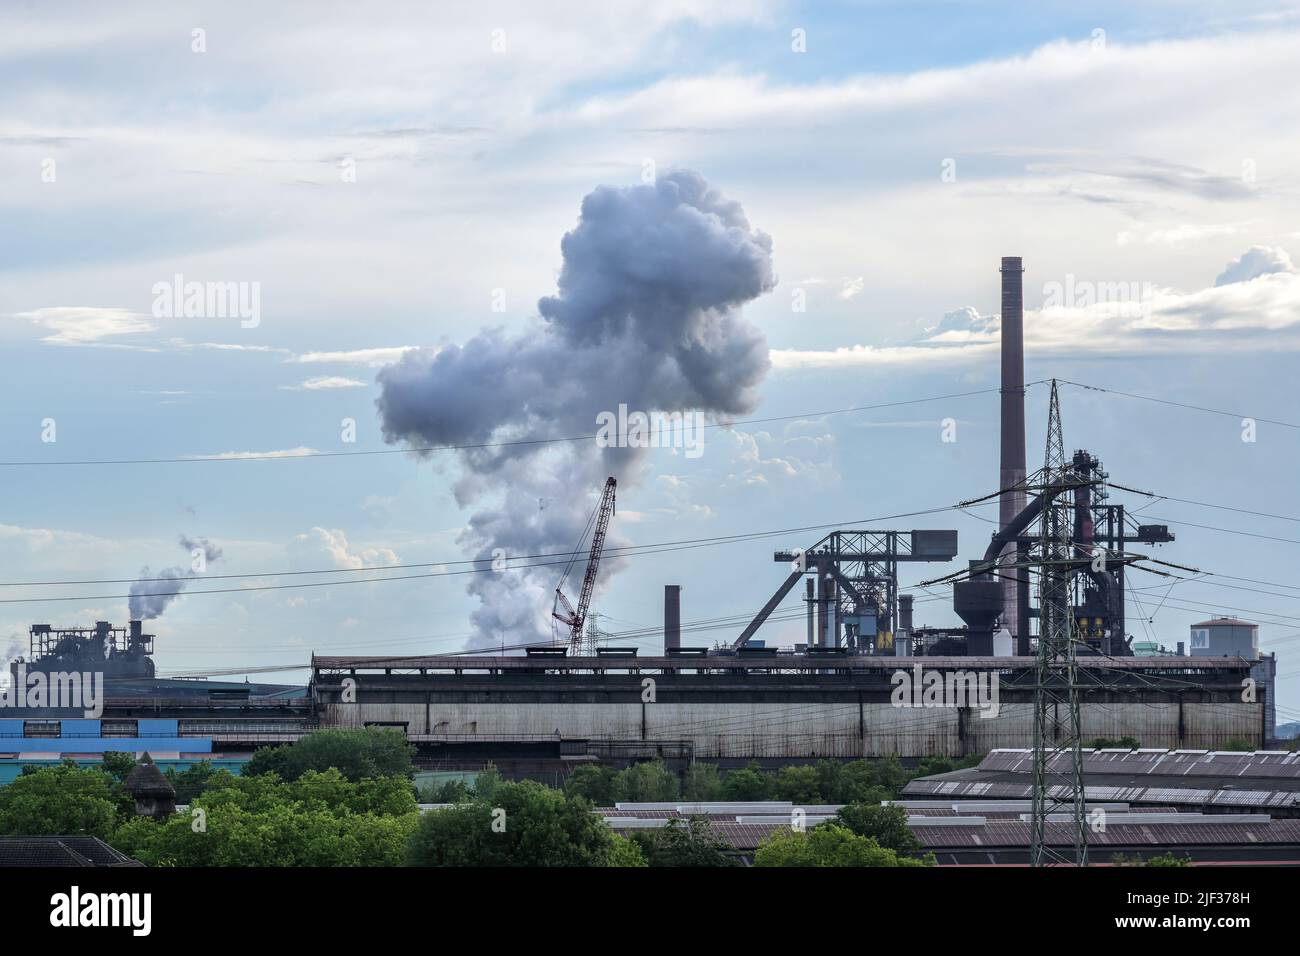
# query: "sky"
{"type": "Point", "coordinates": [385, 188]}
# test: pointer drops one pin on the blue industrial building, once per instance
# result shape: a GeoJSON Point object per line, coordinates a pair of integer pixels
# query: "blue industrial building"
{"type": "Point", "coordinates": [49, 741]}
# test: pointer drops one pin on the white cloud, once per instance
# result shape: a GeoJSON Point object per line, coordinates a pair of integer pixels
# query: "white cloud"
{"type": "Point", "coordinates": [85, 325]}
{"type": "Point", "coordinates": [300, 452]}
{"type": "Point", "coordinates": [324, 382]}
{"type": "Point", "coordinates": [325, 546]}
{"type": "Point", "coordinates": [1255, 262]}
{"type": "Point", "coordinates": [234, 347]}
{"type": "Point", "coordinates": [374, 356]}
{"type": "Point", "coordinates": [1180, 234]}
{"type": "Point", "coordinates": [1235, 314]}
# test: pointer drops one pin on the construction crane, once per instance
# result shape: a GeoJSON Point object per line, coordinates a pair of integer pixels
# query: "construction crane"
{"type": "Point", "coordinates": [562, 610]}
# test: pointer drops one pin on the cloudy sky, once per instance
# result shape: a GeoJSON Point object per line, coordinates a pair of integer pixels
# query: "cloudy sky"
{"type": "Point", "coordinates": [395, 188]}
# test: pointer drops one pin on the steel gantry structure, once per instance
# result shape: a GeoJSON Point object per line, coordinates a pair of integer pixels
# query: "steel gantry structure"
{"type": "Point", "coordinates": [853, 585]}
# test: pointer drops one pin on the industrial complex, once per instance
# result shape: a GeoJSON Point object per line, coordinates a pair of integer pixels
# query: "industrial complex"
{"type": "Point", "coordinates": [867, 681]}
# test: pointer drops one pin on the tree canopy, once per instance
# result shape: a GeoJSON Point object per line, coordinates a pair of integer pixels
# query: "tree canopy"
{"type": "Point", "coordinates": [357, 754]}
{"type": "Point", "coordinates": [521, 824]}
{"type": "Point", "coordinates": [828, 844]}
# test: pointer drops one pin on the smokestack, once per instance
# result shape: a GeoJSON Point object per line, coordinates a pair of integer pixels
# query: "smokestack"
{"type": "Point", "coordinates": [811, 600]}
{"type": "Point", "coordinates": [1012, 469]}
{"type": "Point", "coordinates": [136, 631]}
{"type": "Point", "coordinates": [672, 617]}
{"type": "Point", "coordinates": [903, 639]}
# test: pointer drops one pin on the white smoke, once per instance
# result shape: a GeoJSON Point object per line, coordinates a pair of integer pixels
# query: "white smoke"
{"type": "Point", "coordinates": [648, 315]}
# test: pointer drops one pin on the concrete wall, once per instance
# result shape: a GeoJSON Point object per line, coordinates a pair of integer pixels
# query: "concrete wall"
{"type": "Point", "coordinates": [805, 730]}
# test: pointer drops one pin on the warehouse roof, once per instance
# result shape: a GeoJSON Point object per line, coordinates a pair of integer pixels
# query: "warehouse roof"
{"type": "Point", "coordinates": [62, 851]}
{"type": "Point", "coordinates": [1260, 780]}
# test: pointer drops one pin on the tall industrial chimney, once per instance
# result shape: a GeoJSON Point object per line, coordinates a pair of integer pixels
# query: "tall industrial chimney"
{"type": "Point", "coordinates": [903, 639]}
{"type": "Point", "coordinates": [1012, 470]}
{"type": "Point", "coordinates": [672, 617]}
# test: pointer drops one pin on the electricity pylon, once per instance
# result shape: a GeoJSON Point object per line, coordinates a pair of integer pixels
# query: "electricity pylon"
{"type": "Point", "coordinates": [1057, 729]}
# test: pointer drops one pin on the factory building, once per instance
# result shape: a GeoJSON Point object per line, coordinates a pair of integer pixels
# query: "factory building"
{"type": "Point", "coordinates": [761, 705]}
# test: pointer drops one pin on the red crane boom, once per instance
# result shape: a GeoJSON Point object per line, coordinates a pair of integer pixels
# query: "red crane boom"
{"type": "Point", "coordinates": [575, 619]}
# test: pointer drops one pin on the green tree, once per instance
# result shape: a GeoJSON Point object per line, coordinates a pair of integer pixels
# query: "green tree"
{"type": "Point", "coordinates": [320, 819]}
{"type": "Point", "coordinates": [887, 825]}
{"type": "Point", "coordinates": [1104, 743]}
{"type": "Point", "coordinates": [372, 752]}
{"type": "Point", "coordinates": [828, 844]}
{"type": "Point", "coordinates": [703, 783]}
{"type": "Point", "coordinates": [591, 782]}
{"type": "Point", "coordinates": [683, 843]}
{"type": "Point", "coordinates": [799, 784]}
{"type": "Point", "coordinates": [749, 783]}
{"type": "Point", "coordinates": [828, 780]}
{"type": "Point", "coordinates": [523, 824]}
{"type": "Point", "coordinates": [189, 783]}
{"type": "Point", "coordinates": [485, 783]}
{"type": "Point", "coordinates": [649, 782]}
{"type": "Point", "coordinates": [54, 801]}
{"type": "Point", "coordinates": [117, 764]}
{"type": "Point", "coordinates": [623, 852]}
{"type": "Point", "coordinates": [453, 791]}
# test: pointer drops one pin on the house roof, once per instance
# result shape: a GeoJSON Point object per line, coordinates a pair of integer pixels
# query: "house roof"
{"type": "Point", "coordinates": [146, 780]}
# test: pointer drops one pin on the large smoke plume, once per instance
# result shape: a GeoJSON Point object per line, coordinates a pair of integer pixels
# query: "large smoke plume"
{"type": "Point", "coordinates": [647, 315]}
{"type": "Point", "coordinates": [149, 598]}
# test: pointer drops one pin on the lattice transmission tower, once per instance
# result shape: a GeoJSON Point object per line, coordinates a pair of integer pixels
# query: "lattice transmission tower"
{"type": "Point", "coordinates": [1058, 791]}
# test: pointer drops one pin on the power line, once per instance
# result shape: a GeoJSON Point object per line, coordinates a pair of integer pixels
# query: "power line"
{"type": "Point", "coordinates": [644, 549]}
{"type": "Point", "coordinates": [470, 446]}
{"type": "Point", "coordinates": [1165, 401]}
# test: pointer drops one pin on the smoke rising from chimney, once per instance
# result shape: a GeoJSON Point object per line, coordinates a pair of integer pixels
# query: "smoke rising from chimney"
{"type": "Point", "coordinates": [149, 598]}
{"type": "Point", "coordinates": [647, 314]}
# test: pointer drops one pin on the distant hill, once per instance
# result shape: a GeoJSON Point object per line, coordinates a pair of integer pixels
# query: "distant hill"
{"type": "Point", "coordinates": [1288, 731]}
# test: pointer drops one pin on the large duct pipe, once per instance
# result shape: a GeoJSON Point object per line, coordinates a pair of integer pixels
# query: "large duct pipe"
{"type": "Point", "coordinates": [1012, 466]}
{"type": "Point", "coordinates": [672, 617]}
